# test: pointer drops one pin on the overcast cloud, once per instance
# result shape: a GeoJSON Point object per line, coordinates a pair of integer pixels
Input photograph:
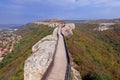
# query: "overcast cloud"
{"type": "Point", "coordinates": [23, 11]}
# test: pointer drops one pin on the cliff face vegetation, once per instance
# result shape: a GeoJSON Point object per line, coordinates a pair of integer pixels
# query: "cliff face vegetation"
{"type": "Point", "coordinates": [96, 54]}
{"type": "Point", "coordinates": [11, 68]}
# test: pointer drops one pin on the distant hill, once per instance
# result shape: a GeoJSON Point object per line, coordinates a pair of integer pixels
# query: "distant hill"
{"type": "Point", "coordinates": [8, 26]}
{"type": "Point", "coordinates": [117, 20]}
{"type": "Point", "coordinates": [52, 21]}
{"type": "Point", "coordinates": [75, 21]}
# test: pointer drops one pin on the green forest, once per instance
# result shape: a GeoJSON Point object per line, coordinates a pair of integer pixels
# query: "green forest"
{"type": "Point", "coordinates": [96, 54]}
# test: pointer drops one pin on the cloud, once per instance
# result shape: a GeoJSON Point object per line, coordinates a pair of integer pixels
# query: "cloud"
{"type": "Point", "coordinates": [100, 3]}
{"type": "Point", "coordinates": [70, 4]}
{"type": "Point", "coordinates": [106, 3]}
{"type": "Point", "coordinates": [66, 16]}
{"type": "Point", "coordinates": [11, 6]}
{"type": "Point", "coordinates": [30, 10]}
{"type": "Point", "coordinates": [26, 1]}
{"type": "Point", "coordinates": [114, 3]}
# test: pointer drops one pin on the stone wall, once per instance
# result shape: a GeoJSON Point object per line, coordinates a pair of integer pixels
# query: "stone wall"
{"type": "Point", "coordinates": [36, 65]}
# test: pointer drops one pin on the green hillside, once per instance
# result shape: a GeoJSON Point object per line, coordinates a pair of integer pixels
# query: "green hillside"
{"type": "Point", "coordinates": [11, 68]}
{"type": "Point", "coordinates": [96, 54]}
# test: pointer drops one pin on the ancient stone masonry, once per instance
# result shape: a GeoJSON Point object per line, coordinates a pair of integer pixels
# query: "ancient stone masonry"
{"type": "Point", "coordinates": [38, 62]}
{"type": "Point", "coordinates": [42, 54]}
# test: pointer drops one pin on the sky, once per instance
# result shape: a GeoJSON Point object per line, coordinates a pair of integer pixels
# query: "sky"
{"type": "Point", "coordinates": [25, 11]}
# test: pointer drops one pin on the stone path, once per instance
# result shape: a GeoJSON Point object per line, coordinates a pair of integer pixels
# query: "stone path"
{"type": "Point", "coordinates": [58, 70]}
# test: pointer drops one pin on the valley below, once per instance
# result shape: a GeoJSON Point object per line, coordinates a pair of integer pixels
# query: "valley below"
{"type": "Point", "coordinates": [93, 46]}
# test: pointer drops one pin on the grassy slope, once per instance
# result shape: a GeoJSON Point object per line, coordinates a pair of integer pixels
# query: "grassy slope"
{"type": "Point", "coordinates": [12, 66]}
{"type": "Point", "coordinates": [96, 57]}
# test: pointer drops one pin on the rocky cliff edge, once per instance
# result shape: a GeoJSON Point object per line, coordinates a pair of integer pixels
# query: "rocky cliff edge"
{"type": "Point", "coordinates": [42, 56]}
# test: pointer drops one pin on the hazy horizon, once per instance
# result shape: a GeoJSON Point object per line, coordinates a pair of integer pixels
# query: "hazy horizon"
{"type": "Point", "coordinates": [25, 11]}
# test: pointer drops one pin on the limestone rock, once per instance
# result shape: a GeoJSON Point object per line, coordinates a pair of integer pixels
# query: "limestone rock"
{"type": "Point", "coordinates": [76, 75]}
{"type": "Point", "coordinates": [43, 51]}
{"type": "Point", "coordinates": [67, 30]}
{"type": "Point", "coordinates": [49, 23]}
{"type": "Point", "coordinates": [55, 32]}
{"type": "Point", "coordinates": [104, 26]}
{"type": "Point", "coordinates": [36, 65]}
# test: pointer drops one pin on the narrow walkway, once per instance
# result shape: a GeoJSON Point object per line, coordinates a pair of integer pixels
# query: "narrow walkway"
{"type": "Point", "coordinates": [58, 70]}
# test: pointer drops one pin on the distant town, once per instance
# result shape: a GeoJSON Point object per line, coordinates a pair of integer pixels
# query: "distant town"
{"type": "Point", "coordinates": [8, 39]}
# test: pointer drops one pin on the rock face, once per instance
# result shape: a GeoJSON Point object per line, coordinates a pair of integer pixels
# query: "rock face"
{"type": "Point", "coordinates": [39, 61]}
{"type": "Point", "coordinates": [49, 23]}
{"type": "Point", "coordinates": [104, 26]}
{"type": "Point", "coordinates": [43, 52]}
{"type": "Point", "coordinates": [67, 30]}
{"type": "Point", "coordinates": [76, 75]}
{"type": "Point", "coordinates": [1, 58]}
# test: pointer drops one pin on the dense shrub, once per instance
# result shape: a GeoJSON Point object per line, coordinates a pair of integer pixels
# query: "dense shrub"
{"type": "Point", "coordinates": [95, 53]}
{"type": "Point", "coordinates": [97, 76]}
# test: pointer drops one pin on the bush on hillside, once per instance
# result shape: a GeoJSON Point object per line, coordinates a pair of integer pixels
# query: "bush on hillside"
{"type": "Point", "coordinates": [97, 76]}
